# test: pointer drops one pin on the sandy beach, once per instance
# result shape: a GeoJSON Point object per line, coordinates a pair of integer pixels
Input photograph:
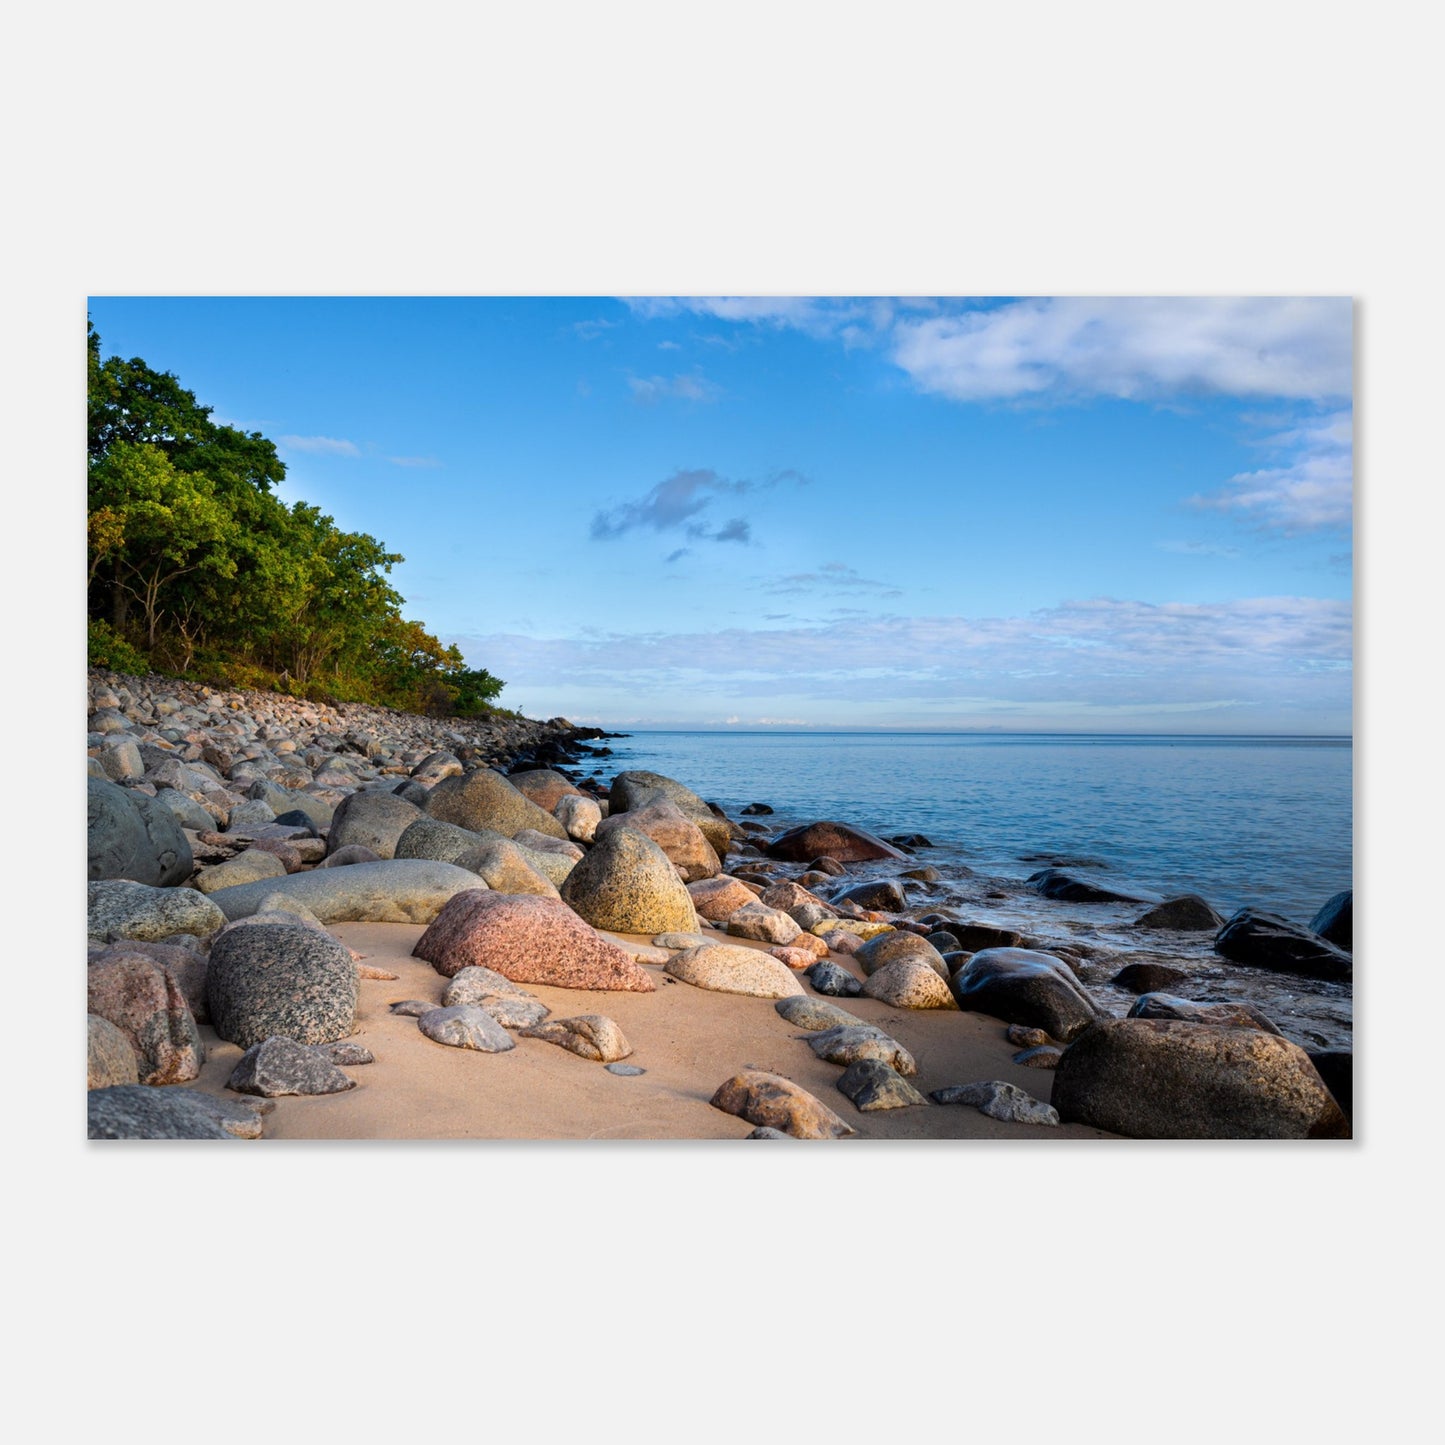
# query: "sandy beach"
{"type": "Point", "coordinates": [688, 1039]}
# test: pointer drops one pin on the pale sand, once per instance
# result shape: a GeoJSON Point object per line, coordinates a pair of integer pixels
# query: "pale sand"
{"type": "Point", "coordinates": [688, 1039]}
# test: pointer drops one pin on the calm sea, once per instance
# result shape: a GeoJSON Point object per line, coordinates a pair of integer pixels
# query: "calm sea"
{"type": "Point", "coordinates": [1261, 821]}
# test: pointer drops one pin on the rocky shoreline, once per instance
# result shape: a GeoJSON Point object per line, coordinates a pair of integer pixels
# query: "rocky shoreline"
{"type": "Point", "coordinates": [233, 837]}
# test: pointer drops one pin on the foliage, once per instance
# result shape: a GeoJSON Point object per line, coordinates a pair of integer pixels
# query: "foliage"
{"type": "Point", "coordinates": [196, 567]}
{"type": "Point", "coordinates": [104, 649]}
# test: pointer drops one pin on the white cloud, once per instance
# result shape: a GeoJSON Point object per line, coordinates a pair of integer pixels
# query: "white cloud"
{"type": "Point", "coordinates": [320, 446]}
{"type": "Point", "coordinates": [689, 387]}
{"type": "Point", "coordinates": [1138, 348]}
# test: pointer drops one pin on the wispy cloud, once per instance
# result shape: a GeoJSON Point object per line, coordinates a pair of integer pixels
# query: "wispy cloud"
{"type": "Point", "coordinates": [692, 386]}
{"type": "Point", "coordinates": [832, 578]}
{"type": "Point", "coordinates": [591, 330]}
{"type": "Point", "coordinates": [677, 503]}
{"type": "Point", "coordinates": [320, 446]}
{"type": "Point", "coordinates": [414, 461]}
{"type": "Point", "coordinates": [1199, 549]}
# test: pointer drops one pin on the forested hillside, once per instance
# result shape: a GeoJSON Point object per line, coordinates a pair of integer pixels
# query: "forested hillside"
{"type": "Point", "coordinates": [197, 568]}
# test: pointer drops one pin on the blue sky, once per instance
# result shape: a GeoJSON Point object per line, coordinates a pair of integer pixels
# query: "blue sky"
{"type": "Point", "coordinates": [1061, 514]}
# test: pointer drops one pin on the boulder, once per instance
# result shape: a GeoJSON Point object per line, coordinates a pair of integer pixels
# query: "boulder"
{"type": "Point", "coordinates": [279, 1066]}
{"type": "Point", "coordinates": [278, 978]}
{"type": "Point", "coordinates": [763, 924]}
{"type": "Point", "coordinates": [1066, 888]}
{"type": "Point", "coordinates": [815, 1014]}
{"type": "Point", "coordinates": [589, 1036]}
{"type": "Point", "coordinates": [884, 894]}
{"type": "Point", "coordinates": [429, 837]}
{"type": "Point", "coordinates": [109, 1056]}
{"type": "Point", "coordinates": [975, 937]}
{"type": "Point", "coordinates": [847, 1043]}
{"type": "Point", "coordinates": [1337, 1068]}
{"type": "Point", "coordinates": [1265, 940]}
{"type": "Point", "coordinates": [503, 866]}
{"type": "Point", "coordinates": [1021, 986]}
{"type": "Point", "coordinates": [1335, 922]}
{"type": "Point", "coordinates": [373, 819]}
{"type": "Point", "coordinates": [246, 867]}
{"type": "Point", "coordinates": [727, 968]}
{"type": "Point", "coordinates": [999, 1100]}
{"type": "Point", "coordinates": [1223, 1015]}
{"type": "Point", "coordinates": [466, 1028]}
{"type": "Point", "coordinates": [1188, 913]}
{"type": "Point", "coordinates": [396, 890]}
{"type": "Point", "coordinates": [1148, 977]}
{"type": "Point", "coordinates": [673, 831]}
{"type": "Point", "coordinates": [132, 836]}
{"type": "Point", "coordinates": [1169, 1079]}
{"type": "Point", "coordinates": [890, 947]}
{"type": "Point", "coordinates": [485, 799]}
{"type": "Point", "coordinates": [716, 898]}
{"type": "Point", "coordinates": [829, 978]}
{"type": "Point", "coordinates": [545, 787]}
{"type": "Point", "coordinates": [627, 884]}
{"type": "Point", "coordinates": [579, 817]}
{"type": "Point", "coordinates": [907, 983]}
{"type": "Point", "coordinates": [873, 1085]}
{"type": "Point", "coordinates": [773, 1102]}
{"type": "Point", "coordinates": [186, 811]}
{"type": "Point", "coordinates": [837, 843]}
{"type": "Point", "coordinates": [145, 1003]}
{"type": "Point", "coordinates": [287, 852]}
{"type": "Point", "coordinates": [528, 940]}
{"type": "Point", "coordinates": [134, 1111]}
{"type": "Point", "coordinates": [185, 965]}
{"type": "Point", "coordinates": [351, 853]}
{"type": "Point", "coordinates": [634, 788]}
{"type": "Point", "coordinates": [117, 908]}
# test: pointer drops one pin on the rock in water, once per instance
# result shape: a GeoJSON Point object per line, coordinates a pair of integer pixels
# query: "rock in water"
{"type": "Point", "coordinates": [109, 1057]}
{"type": "Point", "coordinates": [1265, 940]}
{"type": "Point", "coordinates": [278, 1066]}
{"type": "Point", "coordinates": [728, 968]}
{"type": "Point", "coordinates": [873, 1085]}
{"type": "Point", "coordinates": [1148, 977]}
{"type": "Point", "coordinates": [1188, 913]}
{"type": "Point", "coordinates": [882, 893]}
{"type": "Point", "coordinates": [590, 1036]}
{"type": "Point", "coordinates": [1021, 986]}
{"type": "Point", "coordinates": [275, 978]}
{"type": "Point", "coordinates": [777, 1103]}
{"type": "Point", "coordinates": [837, 841]}
{"type": "Point", "coordinates": [528, 940]}
{"type": "Point", "coordinates": [144, 1001]}
{"type": "Point", "coordinates": [1335, 922]}
{"type": "Point", "coordinates": [134, 1111]}
{"type": "Point", "coordinates": [130, 835]}
{"type": "Point", "coordinates": [627, 884]}
{"type": "Point", "coordinates": [1167, 1079]}
{"type": "Point", "coordinates": [1064, 887]}
{"type": "Point", "coordinates": [999, 1100]}
{"type": "Point", "coordinates": [1227, 1015]}
{"type": "Point", "coordinates": [118, 909]}
{"type": "Point", "coordinates": [485, 799]}
{"type": "Point", "coordinates": [466, 1028]}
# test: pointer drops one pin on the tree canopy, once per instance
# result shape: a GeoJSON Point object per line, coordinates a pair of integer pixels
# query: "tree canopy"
{"type": "Point", "coordinates": [197, 567]}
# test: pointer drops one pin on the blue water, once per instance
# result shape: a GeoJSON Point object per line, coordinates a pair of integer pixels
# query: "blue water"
{"type": "Point", "coordinates": [1260, 821]}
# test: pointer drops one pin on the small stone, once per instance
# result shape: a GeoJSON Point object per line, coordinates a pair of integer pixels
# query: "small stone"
{"type": "Point", "coordinates": [1024, 1037]}
{"type": "Point", "coordinates": [1045, 1056]}
{"type": "Point", "coordinates": [773, 1101]}
{"type": "Point", "coordinates": [466, 1028]}
{"type": "Point", "coordinates": [591, 1036]}
{"type": "Point", "coordinates": [847, 1044]}
{"type": "Point", "coordinates": [280, 1066]}
{"type": "Point", "coordinates": [873, 1085]}
{"type": "Point", "coordinates": [827, 977]}
{"type": "Point", "coordinates": [345, 1053]}
{"type": "Point", "coordinates": [367, 970]}
{"type": "Point", "coordinates": [626, 1071]}
{"type": "Point", "coordinates": [999, 1100]}
{"type": "Point", "coordinates": [765, 1131]}
{"type": "Point", "coordinates": [412, 1008]}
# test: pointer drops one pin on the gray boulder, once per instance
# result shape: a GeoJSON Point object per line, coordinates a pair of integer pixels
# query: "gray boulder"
{"type": "Point", "coordinates": [999, 1100]}
{"type": "Point", "coordinates": [186, 811]}
{"type": "Point", "coordinates": [1265, 940]}
{"type": "Point", "coordinates": [428, 837]}
{"type": "Point", "coordinates": [117, 908]}
{"type": "Point", "coordinates": [246, 867]}
{"type": "Point", "coordinates": [1188, 913]}
{"type": "Point", "coordinates": [396, 890]}
{"type": "Point", "coordinates": [373, 819]}
{"type": "Point", "coordinates": [589, 1036]}
{"type": "Point", "coordinates": [485, 799]}
{"type": "Point", "coordinates": [464, 1027]}
{"type": "Point", "coordinates": [1224, 1015]}
{"type": "Point", "coordinates": [849, 1043]}
{"type": "Point", "coordinates": [1021, 986]}
{"type": "Point", "coordinates": [130, 835]}
{"type": "Point", "coordinates": [728, 968]}
{"type": "Point", "coordinates": [278, 1066]}
{"type": "Point", "coordinates": [814, 1014]}
{"type": "Point", "coordinates": [829, 978]}
{"type": "Point", "coordinates": [135, 1111]}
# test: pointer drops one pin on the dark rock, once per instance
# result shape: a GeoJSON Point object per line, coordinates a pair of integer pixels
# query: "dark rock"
{"type": "Point", "coordinates": [828, 867]}
{"type": "Point", "coordinates": [754, 810]}
{"type": "Point", "coordinates": [1168, 1079]}
{"type": "Point", "coordinates": [1065, 888]}
{"type": "Point", "coordinates": [1045, 1056]}
{"type": "Point", "coordinates": [909, 840]}
{"type": "Point", "coordinates": [873, 1085]}
{"type": "Point", "coordinates": [1026, 1038]}
{"type": "Point", "coordinates": [297, 818]}
{"type": "Point", "coordinates": [1021, 986]}
{"type": "Point", "coordinates": [1265, 940]}
{"type": "Point", "coordinates": [885, 894]}
{"type": "Point", "coordinates": [999, 1100]}
{"type": "Point", "coordinates": [829, 978]}
{"type": "Point", "coordinates": [975, 937]}
{"type": "Point", "coordinates": [839, 842]}
{"type": "Point", "coordinates": [1148, 977]}
{"type": "Point", "coordinates": [1335, 922]}
{"type": "Point", "coordinates": [273, 978]}
{"type": "Point", "coordinates": [1188, 913]}
{"type": "Point", "coordinates": [132, 836]}
{"type": "Point", "coordinates": [279, 1066]}
{"type": "Point", "coordinates": [135, 1111]}
{"type": "Point", "coordinates": [1337, 1068]}
{"type": "Point", "coordinates": [1222, 1015]}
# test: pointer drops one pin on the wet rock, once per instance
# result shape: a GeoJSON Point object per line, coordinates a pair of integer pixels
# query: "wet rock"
{"type": "Point", "coordinates": [1168, 1079]}
{"type": "Point", "coordinates": [1337, 1068]}
{"type": "Point", "coordinates": [109, 1055]}
{"type": "Point", "coordinates": [727, 968]}
{"type": "Point", "coordinates": [837, 843]}
{"type": "Point", "coordinates": [1265, 940]}
{"type": "Point", "coordinates": [1021, 986]}
{"type": "Point", "coordinates": [464, 1027]}
{"type": "Point", "coordinates": [135, 1111]}
{"type": "Point", "coordinates": [1188, 913]}
{"type": "Point", "coordinates": [754, 810]}
{"type": "Point", "coordinates": [132, 836]}
{"type": "Point", "coordinates": [373, 819]}
{"type": "Point", "coordinates": [673, 831]}
{"type": "Point", "coordinates": [999, 1100]}
{"type": "Point", "coordinates": [848, 1043]}
{"type": "Point", "coordinates": [485, 799]}
{"type": "Point", "coordinates": [716, 898]}
{"type": "Point", "coordinates": [771, 1101]}
{"type": "Point", "coordinates": [907, 983]}
{"type": "Point", "coordinates": [1026, 1038]}
{"type": "Point", "coordinates": [885, 894]}
{"type": "Point", "coordinates": [1335, 922]}
{"type": "Point", "coordinates": [1046, 1056]}
{"type": "Point", "coordinates": [873, 1085]}
{"type": "Point", "coordinates": [280, 1066]}
{"type": "Point", "coordinates": [1148, 977]}
{"type": "Point", "coordinates": [1223, 1015]}
{"type": "Point", "coordinates": [975, 937]}
{"type": "Point", "coordinates": [528, 940]}
{"type": "Point", "coordinates": [589, 1036]}
{"type": "Point", "coordinates": [396, 890]}
{"type": "Point", "coordinates": [829, 978]}
{"type": "Point", "coordinates": [757, 921]}
{"type": "Point", "coordinates": [273, 978]}
{"type": "Point", "coordinates": [814, 1014]}
{"type": "Point", "coordinates": [627, 884]}
{"type": "Point", "coordinates": [1066, 888]}
{"type": "Point", "coordinates": [890, 947]}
